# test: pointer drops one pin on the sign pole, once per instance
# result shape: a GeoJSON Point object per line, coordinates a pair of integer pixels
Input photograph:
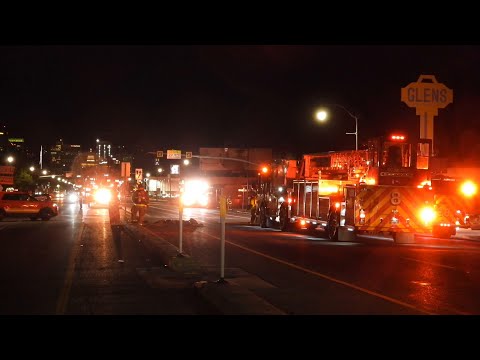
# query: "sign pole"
{"type": "Point", "coordinates": [223, 212]}
{"type": "Point", "coordinates": [243, 197]}
{"type": "Point", "coordinates": [180, 221]}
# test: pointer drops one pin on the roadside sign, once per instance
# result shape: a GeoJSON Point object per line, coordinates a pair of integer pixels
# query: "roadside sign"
{"type": "Point", "coordinates": [223, 207]}
{"type": "Point", "coordinates": [6, 180]}
{"type": "Point", "coordinates": [125, 170]}
{"type": "Point", "coordinates": [138, 174]}
{"type": "Point", "coordinates": [174, 154]}
{"type": "Point", "coordinates": [159, 154]}
{"type": "Point", "coordinates": [7, 170]}
{"type": "Point", "coordinates": [427, 96]}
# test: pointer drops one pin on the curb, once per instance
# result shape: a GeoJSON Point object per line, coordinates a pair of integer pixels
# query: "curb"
{"type": "Point", "coordinates": [232, 299]}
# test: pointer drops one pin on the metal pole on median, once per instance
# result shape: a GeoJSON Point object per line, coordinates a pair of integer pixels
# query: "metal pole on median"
{"type": "Point", "coordinates": [180, 221]}
{"type": "Point", "coordinates": [223, 213]}
{"type": "Point", "coordinates": [125, 188]}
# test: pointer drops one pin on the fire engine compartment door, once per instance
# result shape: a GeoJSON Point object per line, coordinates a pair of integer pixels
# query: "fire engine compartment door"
{"type": "Point", "coordinates": [323, 207]}
{"type": "Point", "coordinates": [424, 153]}
{"type": "Point", "coordinates": [306, 193]}
{"type": "Point", "coordinates": [350, 194]}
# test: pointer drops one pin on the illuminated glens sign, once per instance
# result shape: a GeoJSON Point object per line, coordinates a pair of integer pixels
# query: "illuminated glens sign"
{"type": "Point", "coordinates": [427, 93]}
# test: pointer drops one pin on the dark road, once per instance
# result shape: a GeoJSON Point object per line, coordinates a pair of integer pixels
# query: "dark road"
{"type": "Point", "coordinates": [308, 274]}
{"type": "Point", "coordinates": [72, 265]}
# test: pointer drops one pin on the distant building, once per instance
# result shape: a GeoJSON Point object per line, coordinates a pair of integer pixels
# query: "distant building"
{"type": "Point", "coordinates": [5, 145]}
{"type": "Point", "coordinates": [233, 161]}
{"type": "Point", "coordinates": [62, 156]}
{"type": "Point", "coordinates": [233, 172]}
{"type": "Point", "coordinates": [120, 153]}
{"type": "Point", "coordinates": [16, 146]}
{"type": "Point", "coordinates": [103, 150]}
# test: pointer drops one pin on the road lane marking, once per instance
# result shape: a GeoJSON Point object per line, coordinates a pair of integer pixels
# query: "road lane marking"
{"type": "Point", "coordinates": [315, 273]}
{"type": "Point", "coordinates": [430, 263]}
{"type": "Point", "coordinates": [372, 293]}
{"type": "Point", "coordinates": [64, 295]}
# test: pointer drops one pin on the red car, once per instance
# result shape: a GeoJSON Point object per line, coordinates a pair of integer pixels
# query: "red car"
{"type": "Point", "coordinates": [22, 204]}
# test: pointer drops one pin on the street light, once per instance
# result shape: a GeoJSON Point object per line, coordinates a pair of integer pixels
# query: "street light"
{"type": "Point", "coordinates": [32, 168]}
{"type": "Point", "coordinates": [10, 159]}
{"type": "Point", "coordinates": [321, 115]}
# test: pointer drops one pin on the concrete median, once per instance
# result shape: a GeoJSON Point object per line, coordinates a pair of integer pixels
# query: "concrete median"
{"type": "Point", "coordinates": [229, 298]}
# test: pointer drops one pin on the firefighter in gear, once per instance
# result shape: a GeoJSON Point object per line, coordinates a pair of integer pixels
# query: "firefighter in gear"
{"type": "Point", "coordinates": [253, 210]}
{"type": "Point", "coordinates": [140, 203]}
{"type": "Point", "coordinates": [134, 209]}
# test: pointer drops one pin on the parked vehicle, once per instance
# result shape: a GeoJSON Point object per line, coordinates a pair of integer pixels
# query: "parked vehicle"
{"type": "Point", "coordinates": [383, 189]}
{"type": "Point", "coordinates": [22, 204]}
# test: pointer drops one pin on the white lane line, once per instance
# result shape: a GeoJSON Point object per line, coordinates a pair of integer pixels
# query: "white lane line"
{"type": "Point", "coordinates": [74, 253]}
{"type": "Point", "coordinates": [350, 285]}
{"type": "Point", "coordinates": [430, 263]}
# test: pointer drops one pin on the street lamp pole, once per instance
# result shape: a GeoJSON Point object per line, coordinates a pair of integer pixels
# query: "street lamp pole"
{"type": "Point", "coordinates": [322, 115]}
{"type": "Point", "coordinates": [356, 124]}
{"type": "Point", "coordinates": [355, 133]}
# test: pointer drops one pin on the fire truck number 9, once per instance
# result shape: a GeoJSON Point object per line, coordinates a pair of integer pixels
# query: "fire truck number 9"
{"type": "Point", "coordinates": [395, 198]}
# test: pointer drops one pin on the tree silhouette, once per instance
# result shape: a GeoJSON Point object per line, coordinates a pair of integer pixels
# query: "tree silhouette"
{"type": "Point", "coordinates": [24, 181]}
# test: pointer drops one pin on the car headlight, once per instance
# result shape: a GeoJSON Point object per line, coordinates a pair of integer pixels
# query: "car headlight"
{"type": "Point", "coordinates": [203, 200]}
{"type": "Point", "coordinates": [103, 196]}
{"type": "Point", "coordinates": [188, 199]}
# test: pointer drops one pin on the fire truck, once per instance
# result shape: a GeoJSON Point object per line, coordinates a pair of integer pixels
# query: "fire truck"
{"type": "Point", "coordinates": [384, 189]}
{"type": "Point", "coordinates": [458, 200]}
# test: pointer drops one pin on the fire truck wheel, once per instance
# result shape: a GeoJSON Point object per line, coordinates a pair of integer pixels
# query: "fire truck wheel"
{"type": "Point", "coordinates": [332, 227]}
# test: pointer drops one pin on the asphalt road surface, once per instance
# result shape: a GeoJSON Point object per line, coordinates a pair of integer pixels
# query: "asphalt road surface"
{"type": "Point", "coordinates": [308, 274]}
{"type": "Point", "coordinates": [73, 265]}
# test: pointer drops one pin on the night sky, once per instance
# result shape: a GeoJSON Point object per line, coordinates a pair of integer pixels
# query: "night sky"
{"type": "Point", "coordinates": [185, 97]}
